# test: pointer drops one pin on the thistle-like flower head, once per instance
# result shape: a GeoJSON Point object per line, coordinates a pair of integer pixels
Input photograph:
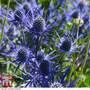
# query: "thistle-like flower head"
{"type": "Point", "coordinates": [40, 56]}
{"type": "Point", "coordinates": [75, 14]}
{"type": "Point", "coordinates": [39, 24]}
{"type": "Point", "coordinates": [45, 67]}
{"type": "Point", "coordinates": [81, 4]}
{"type": "Point", "coordinates": [18, 15]}
{"type": "Point", "coordinates": [26, 8]}
{"type": "Point", "coordinates": [22, 54]}
{"type": "Point", "coordinates": [66, 45]}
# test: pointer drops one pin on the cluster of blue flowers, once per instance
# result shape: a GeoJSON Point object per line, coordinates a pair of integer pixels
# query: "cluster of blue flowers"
{"type": "Point", "coordinates": [39, 40]}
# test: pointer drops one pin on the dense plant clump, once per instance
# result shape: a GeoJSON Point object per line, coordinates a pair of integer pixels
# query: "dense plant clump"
{"type": "Point", "coordinates": [46, 43]}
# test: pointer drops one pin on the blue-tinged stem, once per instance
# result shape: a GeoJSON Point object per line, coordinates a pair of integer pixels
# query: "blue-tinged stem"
{"type": "Point", "coordinates": [0, 4]}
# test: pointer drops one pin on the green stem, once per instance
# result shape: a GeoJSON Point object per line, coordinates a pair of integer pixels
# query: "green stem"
{"type": "Point", "coordinates": [85, 59]}
{"type": "Point", "coordinates": [4, 22]}
{"type": "Point", "coordinates": [86, 55]}
{"type": "Point", "coordinates": [2, 33]}
{"type": "Point", "coordinates": [72, 70]}
{"type": "Point", "coordinates": [74, 59]}
{"type": "Point", "coordinates": [8, 4]}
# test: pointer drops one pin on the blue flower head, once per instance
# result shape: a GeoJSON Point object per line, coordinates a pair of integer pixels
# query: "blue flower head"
{"type": "Point", "coordinates": [22, 54]}
{"type": "Point", "coordinates": [28, 13]}
{"type": "Point", "coordinates": [40, 56]}
{"type": "Point", "coordinates": [26, 8]}
{"type": "Point", "coordinates": [75, 14]}
{"type": "Point", "coordinates": [39, 24]}
{"type": "Point", "coordinates": [45, 67]}
{"type": "Point", "coordinates": [66, 45]}
{"type": "Point", "coordinates": [81, 4]}
{"type": "Point", "coordinates": [18, 15]}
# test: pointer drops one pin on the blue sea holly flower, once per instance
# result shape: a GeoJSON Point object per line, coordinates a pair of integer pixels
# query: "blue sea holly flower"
{"type": "Point", "coordinates": [23, 53]}
{"type": "Point", "coordinates": [29, 17]}
{"type": "Point", "coordinates": [35, 13]}
{"type": "Point", "coordinates": [75, 14]}
{"type": "Point", "coordinates": [66, 45]}
{"type": "Point", "coordinates": [42, 71]}
{"type": "Point", "coordinates": [39, 75]}
{"type": "Point", "coordinates": [40, 56]}
{"type": "Point", "coordinates": [39, 24]}
{"type": "Point", "coordinates": [28, 12]}
{"type": "Point", "coordinates": [20, 55]}
{"type": "Point", "coordinates": [22, 16]}
{"type": "Point", "coordinates": [81, 4]}
{"type": "Point", "coordinates": [18, 15]}
{"type": "Point", "coordinates": [45, 67]}
{"type": "Point", "coordinates": [26, 7]}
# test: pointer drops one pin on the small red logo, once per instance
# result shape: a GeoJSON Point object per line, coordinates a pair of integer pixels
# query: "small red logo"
{"type": "Point", "coordinates": [6, 80]}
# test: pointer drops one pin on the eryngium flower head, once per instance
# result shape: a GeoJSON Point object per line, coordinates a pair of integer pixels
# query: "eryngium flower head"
{"type": "Point", "coordinates": [81, 4]}
{"type": "Point", "coordinates": [40, 56]}
{"type": "Point", "coordinates": [26, 8]}
{"type": "Point", "coordinates": [75, 14]}
{"type": "Point", "coordinates": [22, 54]}
{"type": "Point", "coordinates": [39, 24]}
{"type": "Point", "coordinates": [45, 67]}
{"type": "Point", "coordinates": [18, 15]}
{"type": "Point", "coordinates": [66, 45]}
